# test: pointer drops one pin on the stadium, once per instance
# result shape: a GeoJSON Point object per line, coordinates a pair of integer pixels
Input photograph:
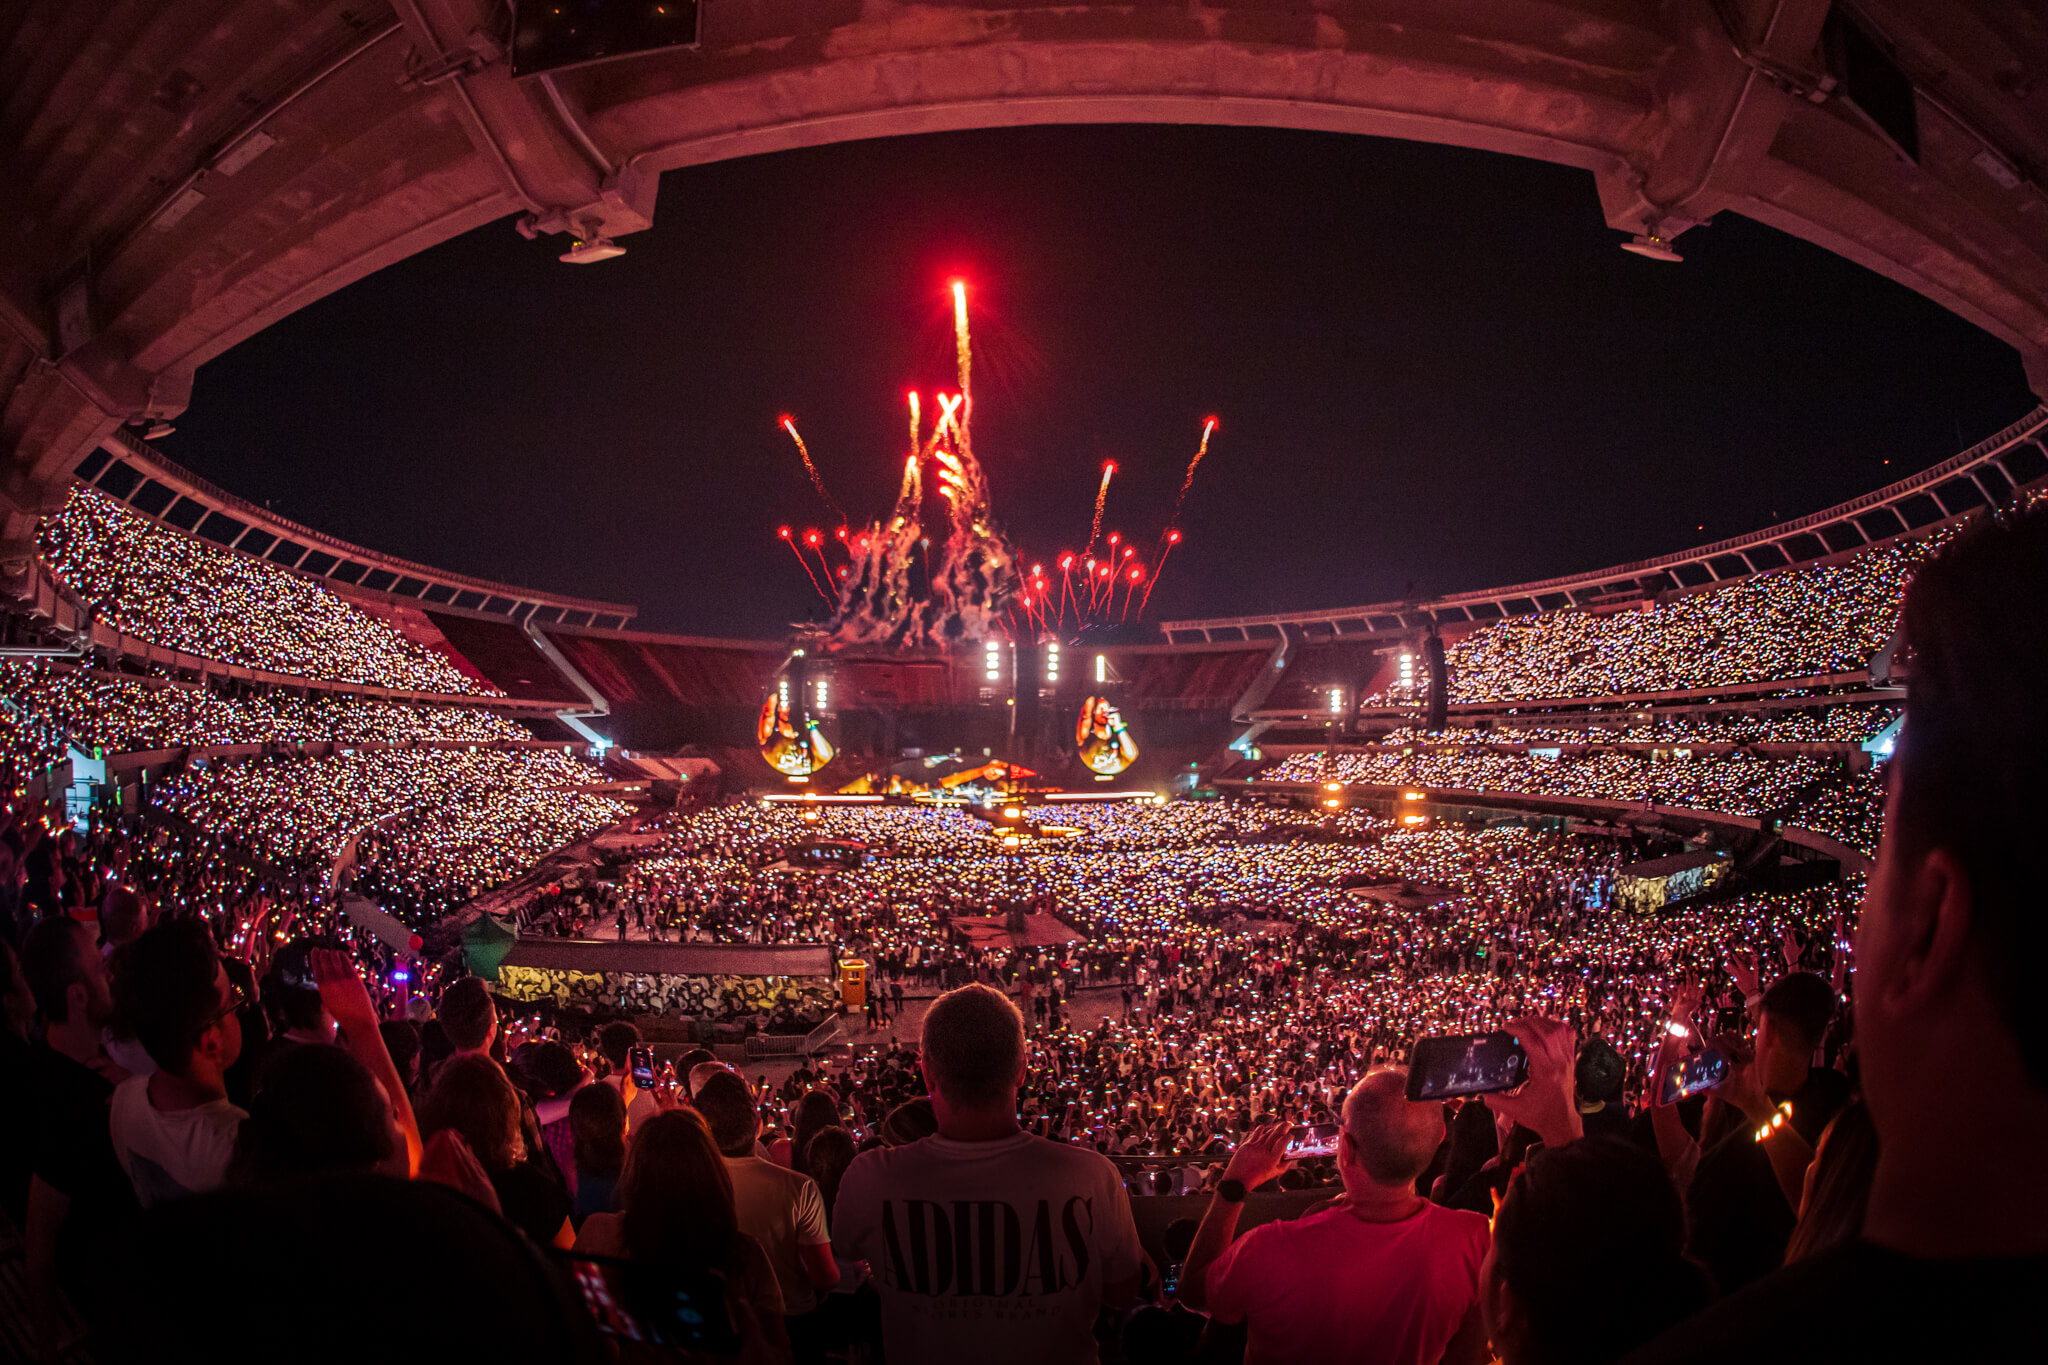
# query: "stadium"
{"type": "Point", "coordinates": [1229, 869]}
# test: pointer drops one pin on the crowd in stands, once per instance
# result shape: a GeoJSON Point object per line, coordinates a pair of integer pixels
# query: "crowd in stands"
{"type": "Point", "coordinates": [1850, 723]}
{"type": "Point", "coordinates": [240, 1142]}
{"type": "Point", "coordinates": [120, 714]}
{"type": "Point", "coordinates": [1848, 807]}
{"type": "Point", "coordinates": [437, 826]}
{"type": "Point", "coordinates": [1736, 783]}
{"type": "Point", "coordinates": [1219, 943]}
{"type": "Point", "coordinates": [178, 592]}
{"type": "Point", "coordinates": [1812, 621]}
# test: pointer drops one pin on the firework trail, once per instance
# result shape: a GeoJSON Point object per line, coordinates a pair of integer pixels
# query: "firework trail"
{"type": "Point", "coordinates": [972, 588]}
{"type": "Point", "coordinates": [817, 544]}
{"type": "Point", "coordinates": [789, 425]}
{"type": "Point", "coordinates": [1172, 539]}
{"type": "Point", "coordinates": [788, 540]}
{"type": "Point", "coordinates": [1208, 428]}
{"type": "Point", "coordinates": [963, 353]}
{"type": "Point", "coordinates": [1101, 495]}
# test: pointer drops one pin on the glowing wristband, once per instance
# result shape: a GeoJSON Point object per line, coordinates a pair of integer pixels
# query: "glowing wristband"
{"type": "Point", "coordinates": [1775, 1122]}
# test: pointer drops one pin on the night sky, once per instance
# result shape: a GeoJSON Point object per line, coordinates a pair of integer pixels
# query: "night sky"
{"type": "Point", "coordinates": [1433, 367]}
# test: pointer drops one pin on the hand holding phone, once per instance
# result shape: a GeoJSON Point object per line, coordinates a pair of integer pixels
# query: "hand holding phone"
{"type": "Point", "coordinates": [1689, 1076]}
{"type": "Point", "coordinates": [1466, 1064]}
{"type": "Point", "coordinates": [1261, 1156]}
{"type": "Point", "coordinates": [1306, 1142]}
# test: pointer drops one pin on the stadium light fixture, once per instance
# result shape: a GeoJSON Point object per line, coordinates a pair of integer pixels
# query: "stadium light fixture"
{"type": "Point", "coordinates": [1651, 248]}
{"type": "Point", "coordinates": [590, 249]}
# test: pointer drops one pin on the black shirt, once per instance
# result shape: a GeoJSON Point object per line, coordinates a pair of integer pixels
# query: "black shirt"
{"type": "Point", "coordinates": [1862, 1303]}
{"type": "Point", "coordinates": [532, 1200]}
{"type": "Point", "coordinates": [17, 1147]}
{"type": "Point", "coordinates": [74, 1155]}
{"type": "Point", "coordinates": [1740, 1217]}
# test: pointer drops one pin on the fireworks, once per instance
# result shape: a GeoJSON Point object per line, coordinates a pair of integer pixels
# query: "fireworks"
{"type": "Point", "coordinates": [1208, 428]}
{"type": "Point", "coordinates": [976, 588]}
{"type": "Point", "coordinates": [1101, 497]}
{"type": "Point", "coordinates": [789, 425]}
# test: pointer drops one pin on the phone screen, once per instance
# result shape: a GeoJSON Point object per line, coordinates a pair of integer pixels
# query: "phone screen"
{"type": "Point", "coordinates": [638, 1303]}
{"type": "Point", "coordinates": [1305, 1142]}
{"type": "Point", "coordinates": [1694, 1075]}
{"type": "Point", "coordinates": [1467, 1064]}
{"type": "Point", "coordinates": [641, 1060]}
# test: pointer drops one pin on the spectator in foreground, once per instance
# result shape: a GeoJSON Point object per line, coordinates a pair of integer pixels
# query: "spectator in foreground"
{"type": "Point", "coordinates": [616, 1041]}
{"type": "Point", "coordinates": [79, 1200]}
{"type": "Point", "coordinates": [174, 1130]}
{"type": "Point", "coordinates": [317, 1111]}
{"type": "Point", "coordinates": [597, 1124]}
{"type": "Point", "coordinates": [978, 1295]}
{"type": "Point", "coordinates": [1949, 1022]}
{"type": "Point", "coordinates": [777, 1207]}
{"type": "Point", "coordinates": [1588, 1257]}
{"type": "Point", "coordinates": [677, 1219]}
{"type": "Point", "coordinates": [473, 1097]}
{"type": "Point", "coordinates": [1383, 1275]}
{"type": "Point", "coordinates": [1744, 1195]}
{"type": "Point", "coordinates": [468, 1018]}
{"type": "Point", "coordinates": [339, 1271]}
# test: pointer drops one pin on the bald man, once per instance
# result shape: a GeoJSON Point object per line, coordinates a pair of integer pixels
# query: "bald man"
{"type": "Point", "coordinates": [1383, 1276]}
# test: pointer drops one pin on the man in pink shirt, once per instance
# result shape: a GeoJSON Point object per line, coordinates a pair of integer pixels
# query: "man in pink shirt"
{"type": "Point", "coordinates": [1383, 1275]}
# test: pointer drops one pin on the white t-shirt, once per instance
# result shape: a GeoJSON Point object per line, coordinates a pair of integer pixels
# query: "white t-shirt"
{"type": "Point", "coordinates": [169, 1154]}
{"type": "Point", "coordinates": [987, 1251]}
{"type": "Point", "coordinates": [643, 1106]}
{"type": "Point", "coordinates": [783, 1212]}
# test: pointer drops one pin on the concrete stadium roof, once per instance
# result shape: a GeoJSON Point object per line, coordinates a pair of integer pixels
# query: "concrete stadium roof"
{"type": "Point", "coordinates": [182, 173]}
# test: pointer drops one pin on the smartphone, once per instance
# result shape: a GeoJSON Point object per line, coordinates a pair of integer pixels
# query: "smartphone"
{"type": "Point", "coordinates": [1468, 1064]}
{"type": "Point", "coordinates": [1307, 1141]}
{"type": "Point", "coordinates": [640, 1303]}
{"type": "Point", "coordinates": [1694, 1075]}
{"type": "Point", "coordinates": [640, 1061]}
{"type": "Point", "coordinates": [1169, 1283]}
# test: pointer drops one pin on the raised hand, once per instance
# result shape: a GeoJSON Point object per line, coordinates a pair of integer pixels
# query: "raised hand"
{"type": "Point", "coordinates": [1544, 1103]}
{"type": "Point", "coordinates": [1743, 967]}
{"type": "Point", "coordinates": [342, 990]}
{"type": "Point", "coordinates": [1260, 1157]}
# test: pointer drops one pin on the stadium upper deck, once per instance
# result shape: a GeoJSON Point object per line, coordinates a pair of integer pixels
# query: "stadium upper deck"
{"type": "Point", "coordinates": [190, 580]}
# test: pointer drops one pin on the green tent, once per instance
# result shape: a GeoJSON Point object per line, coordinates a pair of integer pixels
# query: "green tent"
{"type": "Point", "coordinates": [485, 944]}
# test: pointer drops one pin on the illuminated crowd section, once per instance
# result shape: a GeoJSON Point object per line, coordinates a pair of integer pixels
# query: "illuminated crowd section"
{"type": "Point", "coordinates": [1816, 621]}
{"type": "Point", "coordinates": [180, 593]}
{"type": "Point", "coordinates": [1744, 765]}
{"type": "Point", "coordinates": [135, 714]}
{"type": "Point", "coordinates": [1195, 905]}
{"type": "Point", "coordinates": [464, 821]}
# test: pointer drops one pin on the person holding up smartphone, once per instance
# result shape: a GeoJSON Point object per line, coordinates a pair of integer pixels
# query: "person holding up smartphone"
{"type": "Point", "coordinates": [1381, 1276]}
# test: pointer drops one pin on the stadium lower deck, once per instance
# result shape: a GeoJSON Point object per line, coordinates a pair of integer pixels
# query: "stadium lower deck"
{"type": "Point", "coordinates": [285, 754]}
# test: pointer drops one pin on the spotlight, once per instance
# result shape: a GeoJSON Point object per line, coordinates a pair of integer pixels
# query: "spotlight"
{"type": "Point", "coordinates": [157, 430]}
{"type": "Point", "coordinates": [1656, 248]}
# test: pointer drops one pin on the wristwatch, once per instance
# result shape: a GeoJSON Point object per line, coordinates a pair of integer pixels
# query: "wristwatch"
{"type": "Point", "coordinates": [1231, 1191]}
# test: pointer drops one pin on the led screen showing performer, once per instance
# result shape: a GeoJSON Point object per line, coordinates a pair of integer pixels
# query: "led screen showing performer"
{"type": "Point", "coordinates": [1104, 740]}
{"type": "Point", "coordinates": [791, 748]}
